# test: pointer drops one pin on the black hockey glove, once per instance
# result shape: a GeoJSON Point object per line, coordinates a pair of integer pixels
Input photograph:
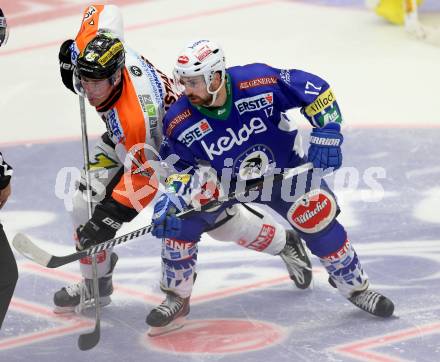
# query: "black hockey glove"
{"type": "Point", "coordinates": [106, 220]}
{"type": "Point", "coordinates": [4, 181]}
{"type": "Point", "coordinates": [66, 66]}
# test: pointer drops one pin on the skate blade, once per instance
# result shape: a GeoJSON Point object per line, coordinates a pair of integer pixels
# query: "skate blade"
{"type": "Point", "coordinates": [173, 326]}
{"type": "Point", "coordinates": [103, 301]}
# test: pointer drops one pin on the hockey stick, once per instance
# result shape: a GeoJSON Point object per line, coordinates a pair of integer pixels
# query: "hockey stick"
{"type": "Point", "coordinates": [28, 249]}
{"type": "Point", "coordinates": [89, 340]}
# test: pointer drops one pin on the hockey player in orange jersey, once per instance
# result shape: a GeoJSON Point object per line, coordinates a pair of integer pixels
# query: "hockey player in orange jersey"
{"type": "Point", "coordinates": [131, 96]}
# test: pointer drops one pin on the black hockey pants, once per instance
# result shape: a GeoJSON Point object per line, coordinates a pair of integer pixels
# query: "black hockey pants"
{"type": "Point", "coordinates": [8, 274]}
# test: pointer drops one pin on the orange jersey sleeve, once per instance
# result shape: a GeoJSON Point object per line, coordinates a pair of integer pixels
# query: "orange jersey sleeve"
{"type": "Point", "coordinates": [89, 26]}
{"type": "Point", "coordinates": [133, 190]}
{"type": "Point", "coordinates": [98, 17]}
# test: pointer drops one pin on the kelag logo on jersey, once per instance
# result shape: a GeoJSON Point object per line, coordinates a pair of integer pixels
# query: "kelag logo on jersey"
{"type": "Point", "coordinates": [254, 103]}
{"type": "Point", "coordinates": [235, 138]}
{"type": "Point", "coordinates": [195, 133]}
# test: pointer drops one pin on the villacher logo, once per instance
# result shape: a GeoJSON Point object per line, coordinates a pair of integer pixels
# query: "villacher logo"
{"type": "Point", "coordinates": [313, 212]}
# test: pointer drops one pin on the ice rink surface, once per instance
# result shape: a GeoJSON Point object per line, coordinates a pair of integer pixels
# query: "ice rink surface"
{"type": "Point", "coordinates": [244, 307]}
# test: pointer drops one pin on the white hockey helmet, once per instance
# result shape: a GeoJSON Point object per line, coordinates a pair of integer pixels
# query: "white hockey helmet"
{"type": "Point", "coordinates": [201, 57]}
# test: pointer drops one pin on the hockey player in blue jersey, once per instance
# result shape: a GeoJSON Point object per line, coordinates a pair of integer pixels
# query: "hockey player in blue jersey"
{"type": "Point", "coordinates": [234, 122]}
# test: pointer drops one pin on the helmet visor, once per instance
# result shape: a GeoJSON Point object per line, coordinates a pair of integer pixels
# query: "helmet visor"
{"type": "Point", "coordinates": [195, 84]}
{"type": "Point", "coordinates": [96, 89]}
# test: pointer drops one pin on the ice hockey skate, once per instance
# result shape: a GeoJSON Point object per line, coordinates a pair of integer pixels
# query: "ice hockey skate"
{"type": "Point", "coordinates": [169, 315]}
{"type": "Point", "coordinates": [297, 261]}
{"type": "Point", "coordinates": [373, 302]}
{"type": "Point", "coordinates": [79, 296]}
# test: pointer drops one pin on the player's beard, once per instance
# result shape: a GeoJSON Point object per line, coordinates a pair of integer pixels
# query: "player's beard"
{"type": "Point", "coordinates": [200, 101]}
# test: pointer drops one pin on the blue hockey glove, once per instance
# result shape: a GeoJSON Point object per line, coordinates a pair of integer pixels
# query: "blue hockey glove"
{"type": "Point", "coordinates": [325, 146]}
{"type": "Point", "coordinates": [167, 225]}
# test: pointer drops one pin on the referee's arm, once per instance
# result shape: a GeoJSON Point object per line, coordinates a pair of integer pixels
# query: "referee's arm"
{"type": "Point", "coordinates": [5, 179]}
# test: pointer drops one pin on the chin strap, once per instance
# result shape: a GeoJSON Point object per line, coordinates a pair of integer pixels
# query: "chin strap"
{"type": "Point", "coordinates": [215, 93]}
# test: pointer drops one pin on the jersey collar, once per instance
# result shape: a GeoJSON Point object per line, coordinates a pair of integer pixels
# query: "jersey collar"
{"type": "Point", "coordinates": [223, 111]}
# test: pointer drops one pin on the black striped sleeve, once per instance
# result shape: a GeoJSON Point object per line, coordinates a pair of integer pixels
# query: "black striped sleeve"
{"type": "Point", "coordinates": [5, 173]}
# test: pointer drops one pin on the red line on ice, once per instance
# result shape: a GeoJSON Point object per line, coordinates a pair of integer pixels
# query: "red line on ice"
{"type": "Point", "coordinates": [71, 324]}
{"type": "Point", "coordinates": [359, 349]}
{"type": "Point", "coordinates": [150, 24]}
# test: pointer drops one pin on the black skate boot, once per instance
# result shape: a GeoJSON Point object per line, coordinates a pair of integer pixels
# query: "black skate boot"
{"type": "Point", "coordinates": [169, 315]}
{"type": "Point", "coordinates": [373, 302]}
{"type": "Point", "coordinates": [79, 296]}
{"type": "Point", "coordinates": [297, 261]}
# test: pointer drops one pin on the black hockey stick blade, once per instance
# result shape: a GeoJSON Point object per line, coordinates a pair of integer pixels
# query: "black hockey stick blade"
{"type": "Point", "coordinates": [87, 341]}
